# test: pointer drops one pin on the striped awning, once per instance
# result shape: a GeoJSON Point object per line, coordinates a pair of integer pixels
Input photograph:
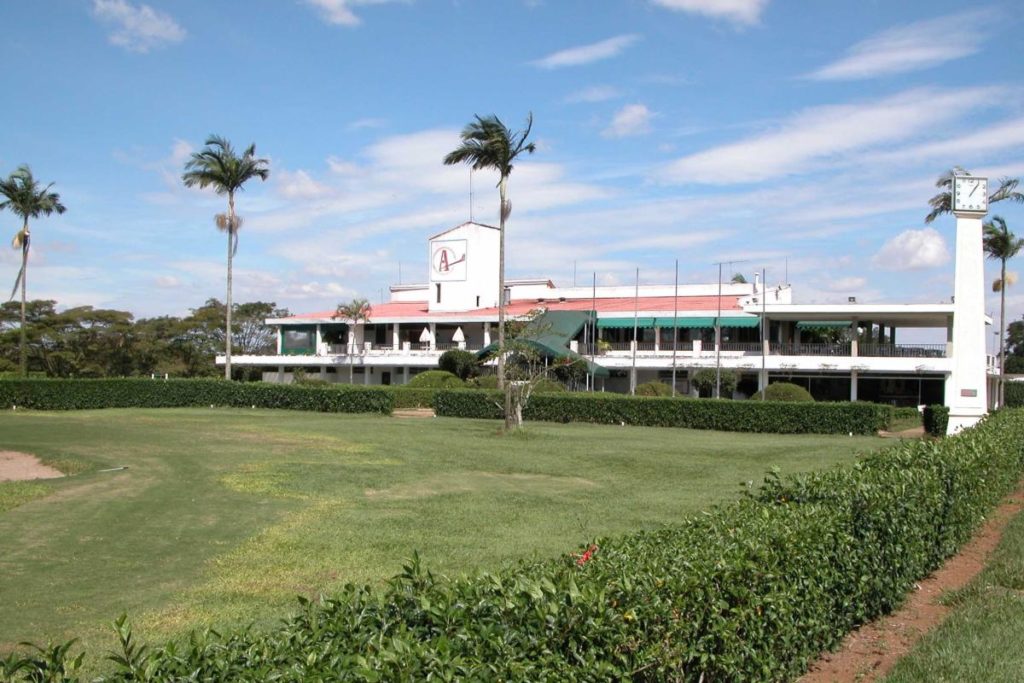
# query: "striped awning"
{"type": "Point", "coordinates": [744, 321]}
{"type": "Point", "coordinates": [686, 323]}
{"type": "Point", "coordinates": [623, 323]}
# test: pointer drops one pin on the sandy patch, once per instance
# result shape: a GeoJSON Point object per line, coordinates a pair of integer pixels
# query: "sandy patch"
{"type": "Point", "coordinates": [15, 466]}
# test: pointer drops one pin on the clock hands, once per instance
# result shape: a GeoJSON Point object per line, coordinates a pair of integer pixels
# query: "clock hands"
{"type": "Point", "coordinates": [976, 186]}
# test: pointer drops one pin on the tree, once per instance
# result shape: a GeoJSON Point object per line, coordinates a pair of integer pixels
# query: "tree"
{"type": "Point", "coordinates": [218, 166]}
{"type": "Point", "coordinates": [461, 363]}
{"type": "Point", "coordinates": [738, 279]}
{"type": "Point", "coordinates": [25, 198]}
{"type": "Point", "coordinates": [942, 203]}
{"type": "Point", "coordinates": [1001, 245]}
{"type": "Point", "coordinates": [355, 312]}
{"type": "Point", "coordinates": [488, 143]}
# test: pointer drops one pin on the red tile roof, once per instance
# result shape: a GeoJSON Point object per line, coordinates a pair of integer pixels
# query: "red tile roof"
{"type": "Point", "coordinates": [417, 310]}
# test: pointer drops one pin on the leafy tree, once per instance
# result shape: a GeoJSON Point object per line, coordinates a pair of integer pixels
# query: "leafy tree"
{"type": "Point", "coordinates": [738, 279]}
{"type": "Point", "coordinates": [653, 388]}
{"type": "Point", "coordinates": [1001, 245]}
{"type": "Point", "coordinates": [704, 380]}
{"type": "Point", "coordinates": [942, 202]}
{"type": "Point", "coordinates": [218, 166]}
{"type": "Point", "coordinates": [461, 363]}
{"type": "Point", "coordinates": [488, 143]}
{"type": "Point", "coordinates": [354, 312]}
{"type": "Point", "coordinates": [25, 198]}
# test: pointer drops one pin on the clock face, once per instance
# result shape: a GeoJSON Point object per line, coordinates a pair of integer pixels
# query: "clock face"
{"type": "Point", "coordinates": [448, 260]}
{"type": "Point", "coordinates": [970, 194]}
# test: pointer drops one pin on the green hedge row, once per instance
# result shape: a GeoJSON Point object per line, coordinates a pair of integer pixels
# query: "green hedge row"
{"type": "Point", "coordinates": [410, 397]}
{"type": "Point", "coordinates": [751, 591]}
{"type": "Point", "coordinates": [737, 416]}
{"type": "Point", "coordinates": [935, 419]}
{"type": "Point", "coordinates": [76, 394]}
{"type": "Point", "coordinates": [1014, 394]}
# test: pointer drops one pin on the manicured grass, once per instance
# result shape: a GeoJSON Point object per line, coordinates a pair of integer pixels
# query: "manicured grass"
{"type": "Point", "coordinates": [224, 516]}
{"type": "Point", "coordinates": [983, 639]}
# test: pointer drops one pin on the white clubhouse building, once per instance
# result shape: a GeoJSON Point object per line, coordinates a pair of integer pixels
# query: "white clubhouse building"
{"type": "Point", "coordinates": [845, 351]}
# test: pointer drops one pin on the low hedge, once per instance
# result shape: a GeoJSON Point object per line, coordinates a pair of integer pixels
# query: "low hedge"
{"type": "Point", "coordinates": [77, 394]}
{"type": "Point", "coordinates": [411, 397]}
{"type": "Point", "coordinates": [750, 591]}
{"type": "Point", "coordinates": [935, 419]}
{"type": "Point", "coordinates": [737, 416]}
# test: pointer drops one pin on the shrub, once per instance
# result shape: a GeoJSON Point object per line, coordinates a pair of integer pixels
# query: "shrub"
{"type": "Point", "coordinates": [410, 397]}
{"type": "Point", "coordinates": [785, 391]}
{"type": "Point", "coordinates": [1014, 393]}
{"type": "Point", "coordinates": [705, 380]}
{"type": "Point", "coordinates": [750, 591]}
{"type": "Point", "coordinates": [936, 420]}
{"type": "Point", "coordinates": [736, 416]}
{"type": "Point", "coordinates": [435, 379]}
{"type": "Point", "coordinates": [653, 388]}
{"type": "Point", "coordinates": [461, 363]}
{"type": "Point", "coordinates": [491, 382]}
{"type": "Point", "coordinates": [78, 394]}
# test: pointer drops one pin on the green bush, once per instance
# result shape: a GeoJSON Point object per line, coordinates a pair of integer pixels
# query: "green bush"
{"type": "Point", "coordinates": [1014, 393]}
{"type": "Point", "coordinates": [491, 382]}
{"type": "Point", "coordinates": [785, 391]}
{"type": "Point", "coordinates": [461, 363]}
{"type": "Point", "coordinates": [735, 416]}
{"type": "Point", "coordinates": [706, 378]}
{"type": "Point", "coordinates": [410, 397]}
{"type": "Point", "coordinates": [653, 388]}
{"type": "Point", "coordinates": [906, 413]}
{"type": "Point", "coordinates": [751, 591]}
{"type": "Point", "coordinates": [936, 420]}
{"type": "Point", "coordinates": [78, 394]}
{"type": "Point", "coordinates": [435, 379]}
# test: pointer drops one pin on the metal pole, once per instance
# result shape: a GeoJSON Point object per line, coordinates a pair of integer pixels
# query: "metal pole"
{"type": "Point", "coordinates": [675, 328]}
{"type": "Point", "coordinates": [764, 329]}
{"type": "Point", "coordinates": [593, 337]}
{"type": "Point", "coordinates": [636, 320]}
{"type": "Point", "coordinates": [718, 338]}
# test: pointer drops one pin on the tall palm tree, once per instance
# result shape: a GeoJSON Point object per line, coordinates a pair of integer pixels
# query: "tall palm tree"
{"type": "Point", "coordinates": [24, 196]}
{"type": "Point", "coordinates": [942, 203]}
{"type": "Point", "coordinates": [488, 143]}
{"type": "Point", "coordinates": [1003, 245]}
{"type": "Point", "coordinates": [217, 166]}
{"type": "Point", "coordinates": [355, 312]}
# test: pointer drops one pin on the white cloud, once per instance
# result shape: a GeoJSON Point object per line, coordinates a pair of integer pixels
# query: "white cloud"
{"type": "Point", "coordinates": [360, 124]}
{"type": "Point", "coordinates": [913, 250]}
{"type": "Point", "coordinates": [594, 93]}
{"type": "Point", "coordinates": [846, 284]}
{"type": "Point", "coordinates": [827, 133]}
{"type": "Point", "coordinates": [299, 185]}
{"type": "Point", "coordinates": [138, 28]}
{"type": "Point", "coordinates": [912, 47]}
{"type": "Point", "coordinates": [633, 119]}
{"type": "Point", "coordinates": [166, 282]}
{"type": "Point", "coordinates": [743, 12]}
{"type": "Point", "coordinates": [587, 54]}
{"type": "Point", "coordinates": [340, 11]}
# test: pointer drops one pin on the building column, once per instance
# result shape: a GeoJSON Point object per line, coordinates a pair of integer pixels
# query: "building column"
{"type": "Point", "coordinates": [405, 375]}
{"type": "Point", "coordinates": [433, 336]}
{"type": "Point", "coordinates": [762, 379]}
{"type": "Point", "coordinates": [319, 339]}
{"type": "Point", "coordinates": [892, 335]}
{"type": "Point", "coordinates": [280, 374]}
{"type": "Point", "coordinates": [657, 339]}
{"type": "Point", "coordinates": [854, 341]}
{"type": "Point", "coordinates": [853, 385]}
{"type": "Point", "coordinates": [280, 340]}
{"type": "Point", "coordinates": [395, 338]}
{"type": "Point", "coordinates": [487, 335]}
{"type": "Point", "coordinates": [366, 375]}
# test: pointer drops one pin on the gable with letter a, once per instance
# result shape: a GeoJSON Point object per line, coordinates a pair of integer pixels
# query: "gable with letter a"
{"type": "Point", "coordinates": [448, 260]}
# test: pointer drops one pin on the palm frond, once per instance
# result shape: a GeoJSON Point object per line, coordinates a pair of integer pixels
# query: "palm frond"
{"type": "Point", "coordinates": [17, 281]}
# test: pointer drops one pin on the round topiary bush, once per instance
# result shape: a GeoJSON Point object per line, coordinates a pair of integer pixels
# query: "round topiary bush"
{"type": "Point", "coordinates": [435, 379]}
{"type": "Point", "coordinates": [461, 363]}
{"type": "Point", "coordinates": [784, 391]}
{"type": "Point", "coordinates": [653, 388]}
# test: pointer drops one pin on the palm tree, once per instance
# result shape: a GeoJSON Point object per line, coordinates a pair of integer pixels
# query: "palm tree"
{"type": "Point", "coordinates": [1003, 245]}
{"type": "Point", "coordinates": [218, 166]}
{"type": "Point", "coordinates": [27, 199]}
{"type": "Point", "coordinates": [942, 203]}
{"type": "Point", "coordinates": [488, 143]}
{"type": "Point", "coordinates": [355, 312]}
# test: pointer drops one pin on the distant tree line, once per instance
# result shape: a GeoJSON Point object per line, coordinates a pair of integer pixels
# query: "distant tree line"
{"type": "Point", "coordinates": [95, 342]}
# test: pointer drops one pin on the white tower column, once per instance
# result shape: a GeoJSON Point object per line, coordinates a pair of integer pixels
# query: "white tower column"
{"type": "Point", "coordinates": [966, 386]}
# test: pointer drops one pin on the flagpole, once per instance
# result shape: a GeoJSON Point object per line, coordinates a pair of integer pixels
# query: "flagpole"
{"type": "Point", "coordinates": [675, 328]}
{"type": "Point", "coordinates": [593, 337]}
{"type": "Point", "coordinates": [636, 320]}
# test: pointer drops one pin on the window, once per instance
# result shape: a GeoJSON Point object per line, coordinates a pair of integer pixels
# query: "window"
{"type": "Point", "coordinates": [438, 285]}
{"type": "Point", "coordinates": [478, 301]}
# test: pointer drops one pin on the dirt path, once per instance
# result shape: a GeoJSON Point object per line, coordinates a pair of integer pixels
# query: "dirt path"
{"type": "Point", "coordinates": [15, 466]}
{"type": "Point", "coordinates": [871, 651]}
{"type": "Point", "coordinates": [413, 412]}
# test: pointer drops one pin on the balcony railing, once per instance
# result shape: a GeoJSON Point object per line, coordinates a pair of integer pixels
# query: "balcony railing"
{"type": "Point", "coordinates": [745, 347]}
{"type": "Point", "coordinates": [794, 349]}
{"type": "Point", "coordinates": [902, 350]}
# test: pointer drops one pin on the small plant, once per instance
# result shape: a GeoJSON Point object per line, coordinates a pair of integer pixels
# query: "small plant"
{"type": "Point", "coordinates": [706, 378]}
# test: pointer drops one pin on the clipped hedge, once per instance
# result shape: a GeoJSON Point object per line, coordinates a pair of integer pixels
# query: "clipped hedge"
{"type": "Point", "coordinates": [736, 416]}
{"type": "Point", "coordinates": [411, 397]}
{"type": "Point", "coordinates": [78, 394]}
{"type": "Point", "coordinates": [935, 420]}
{"type": "Point", "coordinates": [1014, 394]}
{"type": "Point", "coordinates": [750, 591]}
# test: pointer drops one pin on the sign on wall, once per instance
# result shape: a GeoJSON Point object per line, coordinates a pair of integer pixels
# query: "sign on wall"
{"type": "Point", "coordinates": [448, 260]}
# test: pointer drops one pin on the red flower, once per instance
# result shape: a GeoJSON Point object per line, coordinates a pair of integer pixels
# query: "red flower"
{"type": "Point", "coordinates": [585, 557]}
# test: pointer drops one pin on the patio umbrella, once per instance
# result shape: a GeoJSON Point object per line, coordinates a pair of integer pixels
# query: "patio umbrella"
{"type": "Point", "coordinates": [458, 336]}
{"type": "Point", "coordinates": [425, 335]}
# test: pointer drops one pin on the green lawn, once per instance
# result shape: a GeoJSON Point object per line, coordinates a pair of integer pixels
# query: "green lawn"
{"type": "Point", "coordinates": [983, 639]}
{"type": "Point", "coordinates": [223, 516]}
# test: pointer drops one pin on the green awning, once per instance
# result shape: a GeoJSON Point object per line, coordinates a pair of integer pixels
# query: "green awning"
{"type": "Point", "coordinates": [745, 321]}
{"type": "Point", "coordinates": [550, 333]}
{"type": "Point", "coordinates": [823, 324]}
{"type": "Point", "coordinates": [686, 322]}
{"type": "Point", "coordinates": [621, 323]}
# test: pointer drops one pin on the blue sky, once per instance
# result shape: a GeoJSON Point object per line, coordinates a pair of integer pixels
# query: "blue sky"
{"type": "Point", "coordinates": [792, 134]}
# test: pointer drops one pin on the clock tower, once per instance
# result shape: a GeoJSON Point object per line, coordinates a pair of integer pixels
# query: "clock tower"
{"type": "Point", "coordinates": [966, 386]}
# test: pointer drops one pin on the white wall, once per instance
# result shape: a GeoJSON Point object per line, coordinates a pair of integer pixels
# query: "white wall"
{"type": "Point", "coordinates": [470, 281]}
